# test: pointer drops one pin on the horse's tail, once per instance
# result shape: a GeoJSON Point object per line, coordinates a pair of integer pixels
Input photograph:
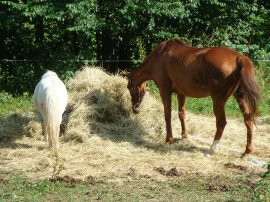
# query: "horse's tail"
{"type": "Point", "coordinates": [53, 116]}
{"type": "Point", "coordinates": [249, 87]}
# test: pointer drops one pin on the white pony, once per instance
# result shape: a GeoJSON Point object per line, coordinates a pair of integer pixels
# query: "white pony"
{"type": "Point", "coordinates": [50, 99]}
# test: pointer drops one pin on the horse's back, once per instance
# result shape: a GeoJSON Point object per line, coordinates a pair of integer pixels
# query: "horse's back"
{"type": "Point", "coordinates": [222, 58]}
{"type": "Point", "coordinates": [53, 88]}
{"type": "Point", "coordinates": [195, 72]}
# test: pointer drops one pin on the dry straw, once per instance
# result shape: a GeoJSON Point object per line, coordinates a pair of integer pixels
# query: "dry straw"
{"type": "Point", "coordinates": [101, 106]}
{"type": "Point", "coordinates": [102, 137]}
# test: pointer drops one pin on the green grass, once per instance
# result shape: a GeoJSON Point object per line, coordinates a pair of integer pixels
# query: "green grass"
{"type": "Point", "coordinates": [261, 192]}
{"type": "Point", "coordinates": [18, 104]}
{"type": "Point", "coordinates": [19, 188]}
{"type": "Point", "coordinates": [187, 187]}
{"type": "Point", "coordinates": [263, 76]}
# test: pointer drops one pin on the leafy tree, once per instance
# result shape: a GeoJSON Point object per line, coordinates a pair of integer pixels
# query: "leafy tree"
{"type": "Point", "coordinates": [63, 35]}
{"type": "Point", "coordinates": [43, 35]}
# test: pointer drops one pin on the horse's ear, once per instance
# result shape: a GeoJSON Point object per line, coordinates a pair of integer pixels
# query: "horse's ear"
{"type": "Point", "coordinates": [144, 85]}
{"type": "Point", "coordinates": [125, 74]}
{"type": "Point", "coordinates": [139, 90]}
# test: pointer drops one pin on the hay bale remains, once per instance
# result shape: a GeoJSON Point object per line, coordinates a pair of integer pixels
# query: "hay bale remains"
{"type": "Point", "coordinates": [14, 126]}
{"type": "Point", "coordinates": [101, 106]}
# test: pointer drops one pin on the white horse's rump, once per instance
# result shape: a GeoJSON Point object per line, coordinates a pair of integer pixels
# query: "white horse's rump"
{"type": "Point", "coordinates": [50, 99]}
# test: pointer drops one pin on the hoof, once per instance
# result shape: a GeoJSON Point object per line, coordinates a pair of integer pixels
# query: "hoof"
{"type": "Point", "coordinates": [212, 149]}
{"type": "Point", "coordinates": [184, 135]}
{"type": "Point", "coordinates": [244, 156]}
{"type": "Point", "coordinates": [209, 152]}
{"type": "Point", "coordinates": [169, 141]}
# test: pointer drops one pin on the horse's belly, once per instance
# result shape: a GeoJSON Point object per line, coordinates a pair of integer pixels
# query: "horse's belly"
{"type": "Point", "coordinates": [198, 94]}
{"type": "Point", "coordinates": [195, 91]}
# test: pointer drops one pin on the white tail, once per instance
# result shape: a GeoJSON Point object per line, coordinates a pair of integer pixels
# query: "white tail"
{"type": "Point", "coordinates": [50, 99]}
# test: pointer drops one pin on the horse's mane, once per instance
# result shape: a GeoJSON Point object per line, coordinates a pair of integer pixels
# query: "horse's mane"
{"type": "Point", "coordinates": [161, 48]}
{"type": "Point", "coordinates": [164, 46]}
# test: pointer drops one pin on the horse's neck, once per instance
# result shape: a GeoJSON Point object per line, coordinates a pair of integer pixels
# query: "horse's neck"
{"type": "Point", "coordinates": [141, 75]}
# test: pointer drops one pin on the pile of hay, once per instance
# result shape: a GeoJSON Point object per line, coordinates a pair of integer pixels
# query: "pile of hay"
{"type": "Point", "coordinates": [102, 137]}
{"type": "Point", "coordinates": [14, 126]}
{"type": "Point", "coordinates": [100, 105]}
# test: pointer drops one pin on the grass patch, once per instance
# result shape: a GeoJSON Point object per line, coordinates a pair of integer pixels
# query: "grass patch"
{"type": "Point", "coordinates": [263, 76]}
{"type": "Point", "coordinates": [18, 104]}
{"type": "Point", "coordinates": [204, 106]}
{"type": "Point", "coordinates": [184, 188]}
{"type": "Point", "coordinates": [261, 191]}
{"type": "Point", "coordinates": [19, 188]}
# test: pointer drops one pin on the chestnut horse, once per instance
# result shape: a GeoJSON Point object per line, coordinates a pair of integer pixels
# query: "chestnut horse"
{"type": "Point", "coordinates": [218, 72]}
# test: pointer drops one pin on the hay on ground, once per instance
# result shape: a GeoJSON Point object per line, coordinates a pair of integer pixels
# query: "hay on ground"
{"type": "Point", "coordinates": [102, 137]}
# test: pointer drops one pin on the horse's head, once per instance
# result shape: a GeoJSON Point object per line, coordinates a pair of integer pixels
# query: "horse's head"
{"type": "Point", "coordinates": [137, 93]}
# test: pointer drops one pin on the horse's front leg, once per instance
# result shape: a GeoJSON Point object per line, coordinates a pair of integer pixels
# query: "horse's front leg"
{"type": "Point", "coordinates": [166, 99]}
{"type": "Point", "coordinates": [182, 114]}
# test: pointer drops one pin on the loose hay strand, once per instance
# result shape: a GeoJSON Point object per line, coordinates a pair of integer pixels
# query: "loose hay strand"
{"type": "Point", "coordinates": [58, 164]}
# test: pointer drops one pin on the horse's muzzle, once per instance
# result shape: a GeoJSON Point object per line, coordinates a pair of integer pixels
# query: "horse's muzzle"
{"type": "Point", "coordinates": [136, 109]}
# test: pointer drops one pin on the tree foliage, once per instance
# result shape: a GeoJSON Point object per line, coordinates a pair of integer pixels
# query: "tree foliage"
{"type": "Point", "coordinates": [61, 35]}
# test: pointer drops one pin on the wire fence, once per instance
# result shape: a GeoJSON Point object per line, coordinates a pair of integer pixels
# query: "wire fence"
{"type": "Point", "coordinates": [85, 61]}
{"type": "Point", "coordinates": [106, 63]}
{"type": "Point", "coordinates": [95, 61]}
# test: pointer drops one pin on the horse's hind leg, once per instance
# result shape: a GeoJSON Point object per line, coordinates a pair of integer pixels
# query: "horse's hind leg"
{"type": "Point", "coordinates": [249, 121]}
{"type": "Point", "coordinates": [45, 131]}
{"type": "Point", "coordinates": [218, 105]}
{"type": "Point", "coordinates": [181, 113]}
{"type": "Point", "coordinates": [56, 137]}
{"type": "Point", "coordinates": [49, 137]}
